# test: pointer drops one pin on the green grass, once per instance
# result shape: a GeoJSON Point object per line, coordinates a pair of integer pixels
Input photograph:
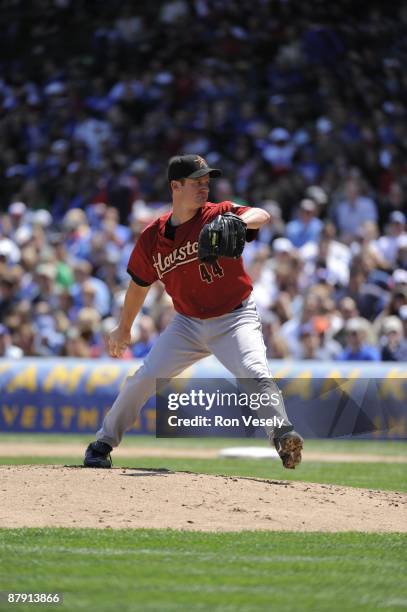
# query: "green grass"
{"type": "Point", "coordinates": [162, 571]}
{"type": "Point", "coordinates": [176, 571]}
{"type": "Point", "coordinates": [387, 476]}
{"type": "Point", "coordinates": [339, 445]}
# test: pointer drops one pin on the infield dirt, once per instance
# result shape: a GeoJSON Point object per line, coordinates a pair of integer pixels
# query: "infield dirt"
{"type": "Point", "coordinates": [55, 496]}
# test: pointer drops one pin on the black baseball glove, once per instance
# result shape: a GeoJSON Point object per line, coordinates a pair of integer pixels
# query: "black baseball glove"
{"type": "Point", "coordinates": [225, 236]}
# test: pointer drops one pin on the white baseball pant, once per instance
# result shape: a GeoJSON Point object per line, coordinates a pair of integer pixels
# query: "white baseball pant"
{"type": "Point", "coordinates": [236, 340]}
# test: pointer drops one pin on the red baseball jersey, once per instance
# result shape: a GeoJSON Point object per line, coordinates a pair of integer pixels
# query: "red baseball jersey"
{"type": "Point", "coordinates": [170, 254]}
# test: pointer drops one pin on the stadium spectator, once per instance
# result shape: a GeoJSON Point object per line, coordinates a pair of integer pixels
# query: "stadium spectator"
{"type": "Point", "coordinates": [357, 347]}
{"type": "Point", "coordinates": [388, 245]}
{"type": "Point", "coordinates": [307, 227]}
{"type": "Point", "coordinates": [83, 274]}
{"type": "Point", "coordinates": [88, 121]}
{"type": "Point", "coordinates": [7, 349]}
{"type": "Point", "coordinates": [354, 210]}
{"type": "Point", "coordinates": [276, 346]}
{"type": "Point", "coordinates": [145, 337]}
{"type": "Point", "coordinates": [394, 343]}
{"type": "Point", "coordinates": [313, 345]}
{"type": "Point", "coordinates": [347, 310]}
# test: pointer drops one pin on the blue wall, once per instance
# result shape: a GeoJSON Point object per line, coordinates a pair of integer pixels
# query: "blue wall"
{"type": "Point", "coordinates": [72, 395]}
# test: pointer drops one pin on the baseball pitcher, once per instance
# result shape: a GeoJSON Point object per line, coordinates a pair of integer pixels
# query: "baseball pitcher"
{"type": "Point", "coordinates": [195, 250]}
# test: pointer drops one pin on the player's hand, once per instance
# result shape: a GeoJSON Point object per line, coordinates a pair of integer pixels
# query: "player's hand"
{"type": "Point", "coordinates": [118, 341]}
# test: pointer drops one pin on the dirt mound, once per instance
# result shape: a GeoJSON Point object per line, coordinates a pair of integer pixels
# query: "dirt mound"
{"type": "Point", "coordinates": [54, 496]}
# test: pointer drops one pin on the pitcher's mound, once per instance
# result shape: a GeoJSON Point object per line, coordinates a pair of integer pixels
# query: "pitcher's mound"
{"type": "Point", "coordinates": [54, 496]}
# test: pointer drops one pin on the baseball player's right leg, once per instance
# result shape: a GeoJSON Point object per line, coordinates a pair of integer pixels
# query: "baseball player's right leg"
{"type": "Point", "coordinates": [236, 340]}
{"type": "Point", "coordinates": [178, 347]}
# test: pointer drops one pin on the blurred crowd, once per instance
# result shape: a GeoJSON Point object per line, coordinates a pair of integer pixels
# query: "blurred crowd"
{"type": "Point", "coordinates": [301, 104]}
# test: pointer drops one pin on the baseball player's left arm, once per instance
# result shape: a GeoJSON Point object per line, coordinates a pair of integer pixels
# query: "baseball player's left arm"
{"type": "Point", "coordinates": [254, 217]}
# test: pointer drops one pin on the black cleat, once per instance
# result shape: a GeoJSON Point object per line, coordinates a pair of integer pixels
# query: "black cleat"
{"type": "Point", "coordinates": [98, 455]}
{"type": "Point", "coordinates": [289, 447]}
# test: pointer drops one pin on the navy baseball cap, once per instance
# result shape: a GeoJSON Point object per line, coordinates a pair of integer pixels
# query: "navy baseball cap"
{"type": "Point", "coordinates": [190, 166]}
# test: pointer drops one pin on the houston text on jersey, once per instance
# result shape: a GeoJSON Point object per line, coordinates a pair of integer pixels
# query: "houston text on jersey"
{"type": "Point", "coordinates": [177, 257]}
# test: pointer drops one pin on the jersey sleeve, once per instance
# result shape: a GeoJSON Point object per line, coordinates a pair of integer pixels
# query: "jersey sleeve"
{"type": "Point", "coordinates": [236, 209]}
{"type": "Point", "coordinates": [140, 266]}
